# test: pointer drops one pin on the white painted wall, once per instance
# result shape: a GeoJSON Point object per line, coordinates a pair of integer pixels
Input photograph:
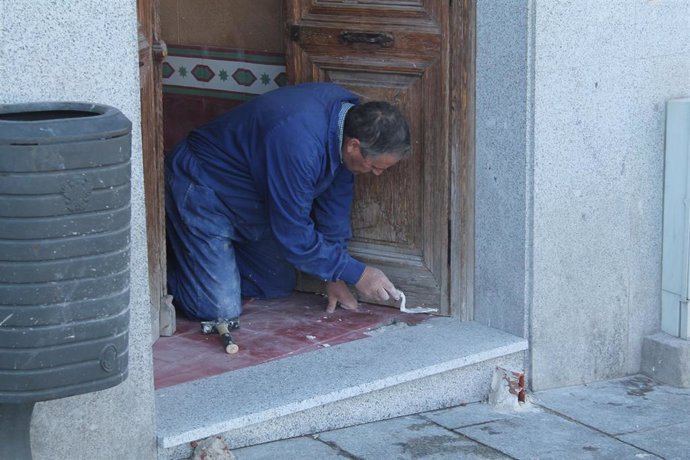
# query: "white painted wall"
{"type": "Point", "coordinates": [86, 50]}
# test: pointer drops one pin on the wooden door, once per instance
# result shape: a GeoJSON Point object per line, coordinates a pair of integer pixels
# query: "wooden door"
{"type": "Point", "coordinates": [152, 51]}
{"type": "Point", "coordinates": [394, 50]}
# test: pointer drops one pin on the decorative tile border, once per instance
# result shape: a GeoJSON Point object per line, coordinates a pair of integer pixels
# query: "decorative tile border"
{"type": "Point", "coordinates": [222, 73]}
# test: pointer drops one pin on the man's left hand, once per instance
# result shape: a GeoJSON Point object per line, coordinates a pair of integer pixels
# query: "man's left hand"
{"type": "Point", "coordinates": [340, 294]}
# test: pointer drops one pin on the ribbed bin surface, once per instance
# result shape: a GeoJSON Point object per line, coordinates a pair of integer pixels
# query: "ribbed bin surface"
{"type": "Point", "coordinates": [64, 249]}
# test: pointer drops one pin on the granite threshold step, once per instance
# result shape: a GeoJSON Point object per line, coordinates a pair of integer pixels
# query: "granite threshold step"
{"type": "Point", "coordinates": [399, 370]}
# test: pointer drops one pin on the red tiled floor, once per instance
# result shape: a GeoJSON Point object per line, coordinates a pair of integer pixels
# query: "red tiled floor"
{"type": "Point", "coordinates": [270, 329]}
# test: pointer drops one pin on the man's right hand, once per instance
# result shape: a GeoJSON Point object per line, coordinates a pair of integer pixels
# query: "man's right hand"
{"type": "Point", "coordinates": [339, 294]}
{"type": "Point", "coordinates": [375, 285]}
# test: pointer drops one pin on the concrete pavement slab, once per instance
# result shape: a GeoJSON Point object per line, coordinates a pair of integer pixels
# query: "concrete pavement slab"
{"type": "Point", "coordinates": [620, 406]}
{"type": "Point", "coordinates": [537, 434]}
{"type": "Point", "coordinates": [411, 437]}
{"type": "Point", "coordinates": [670, 442]}
{"type": "Point", "coordinates": [470, 414]}
{"type": "Point", "coordinates": [304, 448]}
{"type": "Point", "coordinates": [563, 428]}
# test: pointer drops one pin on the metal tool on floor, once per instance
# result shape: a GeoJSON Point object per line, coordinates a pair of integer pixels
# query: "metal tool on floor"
{"type": "Point", "coordinates": [414, 309]}
{"type": "Point", "coordinates": [223, 328]}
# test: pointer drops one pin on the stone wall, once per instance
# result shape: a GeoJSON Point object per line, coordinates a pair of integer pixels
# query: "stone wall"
{"type": "Point", "coordinates": [590, 194]}
{"type": "Point", "coordinates": [86, 50]}
{"type": "Point", "coordinates": [502, 90]}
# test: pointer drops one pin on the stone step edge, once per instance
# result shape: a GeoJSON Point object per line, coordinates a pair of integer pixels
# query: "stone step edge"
{"type": "Point", "coordinates": [340, 414]}
{"type": "Point", "coordinates": [186, 436]}
{"type": "Point", "coordinates": [331, 397]}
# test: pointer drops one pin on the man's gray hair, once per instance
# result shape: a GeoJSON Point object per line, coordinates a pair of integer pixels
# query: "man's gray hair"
{"type": "Point", "coordinates": [380, 128]}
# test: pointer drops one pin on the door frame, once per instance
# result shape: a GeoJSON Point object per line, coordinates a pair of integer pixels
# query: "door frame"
{"type": "Point", "coordinates": [461, 116]}
{"type": "Point", "coordinates": [462, 157]}
{"type": "Point", "coordinates": [152, 52]}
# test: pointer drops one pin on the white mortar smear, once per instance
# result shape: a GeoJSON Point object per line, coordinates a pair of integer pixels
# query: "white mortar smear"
{"type": "Point", "coordinates": [414, 309]}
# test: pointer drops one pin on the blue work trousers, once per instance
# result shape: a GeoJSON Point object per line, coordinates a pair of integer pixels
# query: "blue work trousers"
{"type": "Point", "coordinates": [212, 261]}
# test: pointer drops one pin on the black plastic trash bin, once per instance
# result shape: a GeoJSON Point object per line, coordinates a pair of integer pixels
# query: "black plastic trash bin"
{"type": "Point", "coordinates": [64, 253]}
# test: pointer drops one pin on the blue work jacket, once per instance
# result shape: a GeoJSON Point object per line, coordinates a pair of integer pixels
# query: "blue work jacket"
{"type": "Point", "coordinates": [275, 163]}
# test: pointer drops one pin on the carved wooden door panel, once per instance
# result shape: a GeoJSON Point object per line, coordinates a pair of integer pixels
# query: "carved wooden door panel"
{"type": "Point", "coordinates": [394, 50]}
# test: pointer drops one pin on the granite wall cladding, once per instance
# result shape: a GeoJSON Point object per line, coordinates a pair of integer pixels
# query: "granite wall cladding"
{"type": "Point", "coordinates": [570, 145]}
{"type": "Point", "coordinates": [86, 50]}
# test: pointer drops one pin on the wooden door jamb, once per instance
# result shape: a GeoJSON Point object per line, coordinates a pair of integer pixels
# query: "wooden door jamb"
{"type": "Point", "coordinates": [462, 157]}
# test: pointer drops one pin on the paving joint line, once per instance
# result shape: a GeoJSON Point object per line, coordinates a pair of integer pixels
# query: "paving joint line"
{"type": "Point", "coordinates": [566, 417]}
{"type": "Point", "coordinates": [452, 430]}
{"type": "Point", "coordinates": [463, 426]}
{"type": "Point", "coordinates": [333, 445]}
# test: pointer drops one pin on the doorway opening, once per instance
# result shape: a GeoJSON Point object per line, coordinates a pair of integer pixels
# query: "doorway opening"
{"type": "Point", "coordinates": [415, 223]}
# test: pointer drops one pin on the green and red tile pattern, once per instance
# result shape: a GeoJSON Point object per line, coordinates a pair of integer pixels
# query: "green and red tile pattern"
{"type": "Point", "coordinates": [200, 83]}
{"type": "Point", "coordinates": [222, 73]}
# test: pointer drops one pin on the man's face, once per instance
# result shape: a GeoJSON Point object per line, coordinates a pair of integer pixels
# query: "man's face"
{"type": "Point", "coordinates": [358, 164]}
